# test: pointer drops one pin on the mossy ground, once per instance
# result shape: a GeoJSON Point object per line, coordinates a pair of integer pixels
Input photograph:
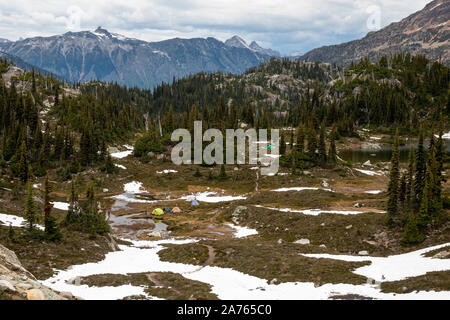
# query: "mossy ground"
{"type": "Point", "coordinates": [166, 285]}
{"type": "Point", "coordinates": [432, 281]}
{"type": "Point", "coordinates": [271, 254]}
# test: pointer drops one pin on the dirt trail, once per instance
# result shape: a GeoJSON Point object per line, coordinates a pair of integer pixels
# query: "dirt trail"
{"type": "Point", "coordinates": [153, 278]}
{"type": "Point", "coordinates": [211, 256]}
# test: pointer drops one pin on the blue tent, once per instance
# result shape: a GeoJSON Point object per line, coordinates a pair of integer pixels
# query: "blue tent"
{"type": "Point", "coordinates": [194, 203]}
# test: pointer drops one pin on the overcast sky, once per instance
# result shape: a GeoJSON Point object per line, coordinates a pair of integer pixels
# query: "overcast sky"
{"type": "Point", "coordinates": [284, 25]}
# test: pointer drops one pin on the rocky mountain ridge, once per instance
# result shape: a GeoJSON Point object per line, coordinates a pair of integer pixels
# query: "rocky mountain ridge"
{"type": "Point", "coordinates": [426, 32]}
{"type": "Point", "coordinates": [90, 55]}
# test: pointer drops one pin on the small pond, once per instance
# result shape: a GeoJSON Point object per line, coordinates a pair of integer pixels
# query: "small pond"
{"type": "Point", "coordinates": [383, 153]}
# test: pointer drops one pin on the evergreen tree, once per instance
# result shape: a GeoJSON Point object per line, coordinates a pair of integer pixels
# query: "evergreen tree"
{"type": "Point", "coordinates": [109, 166]}
{"type": "Point", "coordinates": [52, 231]}
{"type": "Point", "coordinates": [30, 208]}
{"type": "Point", "coordinates": [282, 145]}
{"type": "Point", "coordinates": [300, 143]}
{"type": "Point", "coordinates": [410, 181]}
{"type": "Point", "coordinates": [312, 141]}
{"type": "Point", "coordinates": [47, 204]}
{"type": "Point", "coordinates": [419, 181]}
{"type": "Point", "coordinates": [332, 153]}
{"type": "Point", "coordinates": [74, 210]}
{"type": "Point", "coordinates": [402, 192]}
{"type": "Point", "coordinates": [412, 233]}
{"type": "Point", "coordinates": [394, 176]}
{"type": "Point", "coordinates": [322, 147]}
{"type": "Point", "coordinates": [223, 173]}
{"type": "Point", "coordinates": [23, 163]}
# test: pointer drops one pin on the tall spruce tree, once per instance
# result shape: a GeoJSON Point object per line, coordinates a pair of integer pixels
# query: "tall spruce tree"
{"type": "Point", "coordinates": [332, 154]}
{"type": "Point", "coordinates": [30, 208]}
{"type": "Point", "coordinates": [282, 145]}
{"type": "Point", "coordinates": [394, 176]}
{"type": "Point", "coordinates": [419, 181]}
{"type": "Point", "coordinates": [52, 231]}
{"type": "Point", "coordinates": [410, 180]}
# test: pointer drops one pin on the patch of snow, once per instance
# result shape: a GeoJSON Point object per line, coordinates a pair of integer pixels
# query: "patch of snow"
{"type": "Point", "coordinates": [375, 138]}
{"type": "Point", "coordinates": [373, 191]}
{"type": "Point", "coordinates": [161, 53]}
{"type": "Point", "coordinates": [242, 232]}
{"type": "Point", "coordinates": [369, 173]}
{"type": "Point", "coordinates": [209, 198]}
{"type": "Point", "coordinates": [15, 221]}
{"type": "Point", "coordinates": [446, 135]}
{"type": "Point", "coordinates": [313, 212]}
{"type": "Point", "coordinates": [435, 6]}
{"type": "Point", "coordinates": [166, 171]}
{"type": "Point", "coordinates": [133, 187]}
{"type": "Point", "coordinates": [226, 283]}
{"type": "Point", "coordinates": [60, 205]}
{"type": "Point", "coordinates": [299, 189]}
{"type": "Point", "coordinates": [120, 166]}
{"type": "Point", "coordinates": [123, 154]}
{"type": "Point", "coordinates": [394, 268]}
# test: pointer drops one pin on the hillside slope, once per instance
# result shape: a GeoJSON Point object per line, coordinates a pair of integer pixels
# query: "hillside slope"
{"type": "Point", "coordinates": [425, 32]}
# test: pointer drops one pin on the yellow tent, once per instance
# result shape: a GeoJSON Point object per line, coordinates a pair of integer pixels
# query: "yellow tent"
{"type": "Point", "coordinates": [158, 212]}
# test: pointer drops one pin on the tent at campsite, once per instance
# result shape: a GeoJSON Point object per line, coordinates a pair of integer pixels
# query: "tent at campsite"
{"type": "Point", "coordinates": [194, 202]}
{"type": "Point", "coordinates": [176, 210]}
{"type": "Point", "coordinates": [158, 212]}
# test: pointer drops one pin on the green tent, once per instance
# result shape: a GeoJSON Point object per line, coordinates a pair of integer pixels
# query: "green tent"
{"type": "Point", "coordinates": [158, 212]}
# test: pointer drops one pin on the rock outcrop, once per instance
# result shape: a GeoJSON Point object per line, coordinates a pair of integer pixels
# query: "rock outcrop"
{"type": "Point", "coordinates": [17, 283]}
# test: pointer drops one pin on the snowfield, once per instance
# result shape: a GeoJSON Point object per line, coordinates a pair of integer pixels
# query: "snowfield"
{"type": "Point", "coordinates": [133, 187]}
{"type": "Point", "coordinates": [123, 154]}
{"type": "Point", "coordinates": [299, 189]}
{"type": "Point", "coordinates": [242, 232]}
{"type": "Point", "coordinates": [314, 212]}
{"type": "Point", "coordinates": [60, 205]}
{"type": "Point", "coordinates": [369, 173]}
{"type": "Point", "coordinates": [398, 267]}
{"type": "Point", "coordinates": [231, 284]}
{"type": "Point", "coordinates": [15, 221]}
{"type": "Point", "coordinates": [210, 197]}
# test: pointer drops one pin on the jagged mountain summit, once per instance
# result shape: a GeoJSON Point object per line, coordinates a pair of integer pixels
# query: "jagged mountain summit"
{"type": "Point", "coordinates": [425, 32]}
{"type": "Point", "coordinates": [99, 54]}
{"type": "Point", "coordinates": [238, 42]}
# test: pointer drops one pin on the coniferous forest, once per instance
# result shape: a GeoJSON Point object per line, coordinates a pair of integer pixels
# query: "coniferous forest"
{"type": "Point", "coordinates": [65, 135]}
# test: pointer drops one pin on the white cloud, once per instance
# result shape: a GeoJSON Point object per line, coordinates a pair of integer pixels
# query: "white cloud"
{"type": "Point", "coordinates": [285, 25]}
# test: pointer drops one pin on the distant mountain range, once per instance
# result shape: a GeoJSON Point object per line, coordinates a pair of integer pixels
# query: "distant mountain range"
{"type": "Point", "coordinates": [425, 32]}
{"type": "Point", "coordinates": [86, 55]}
{"type": "Point", "coordinates": [99, 54]}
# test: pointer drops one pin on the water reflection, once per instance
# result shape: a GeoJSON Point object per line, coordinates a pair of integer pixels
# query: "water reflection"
{"type": "Point", "coordinates": [383, 153]}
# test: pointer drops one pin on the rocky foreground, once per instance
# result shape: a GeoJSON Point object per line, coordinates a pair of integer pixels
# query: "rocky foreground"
{"type": "Point", "coordinates": [17, 283]}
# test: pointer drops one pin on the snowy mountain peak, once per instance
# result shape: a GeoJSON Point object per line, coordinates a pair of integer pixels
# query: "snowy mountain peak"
{"type": "Point", "coordinates": [255, 46]}
{"type": "Point", "coordinates": [238, 42]}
